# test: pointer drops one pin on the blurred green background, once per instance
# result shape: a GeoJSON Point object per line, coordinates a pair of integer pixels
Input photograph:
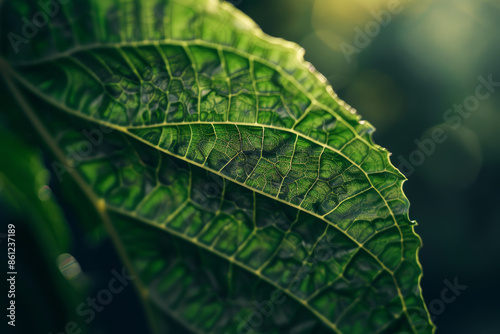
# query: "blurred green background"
{"type": "Point", "coordinates": [424, 57]}
{"type": "Point", "coordinates": [425, 60]}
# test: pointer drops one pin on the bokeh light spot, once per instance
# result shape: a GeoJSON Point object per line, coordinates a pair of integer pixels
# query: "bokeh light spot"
{"type": "Point", "coordinates": [69, 267]}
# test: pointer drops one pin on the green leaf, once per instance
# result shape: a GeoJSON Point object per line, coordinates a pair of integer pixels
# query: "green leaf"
{"type": "Point", "coordinates": [28, 207]}
{"type": "Point", "coordinates": [239, 189]}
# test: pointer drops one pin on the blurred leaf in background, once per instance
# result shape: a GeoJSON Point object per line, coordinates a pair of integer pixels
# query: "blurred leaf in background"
{"type": "Point", "coordinates": [51, 283]}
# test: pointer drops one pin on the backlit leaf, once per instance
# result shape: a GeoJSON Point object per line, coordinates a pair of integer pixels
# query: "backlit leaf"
{"type": "Point", "coordinates": [239, 189]}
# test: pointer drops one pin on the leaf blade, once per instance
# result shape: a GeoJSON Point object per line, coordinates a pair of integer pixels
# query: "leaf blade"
{"type": "Point", "coordinates": [238, 96]}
